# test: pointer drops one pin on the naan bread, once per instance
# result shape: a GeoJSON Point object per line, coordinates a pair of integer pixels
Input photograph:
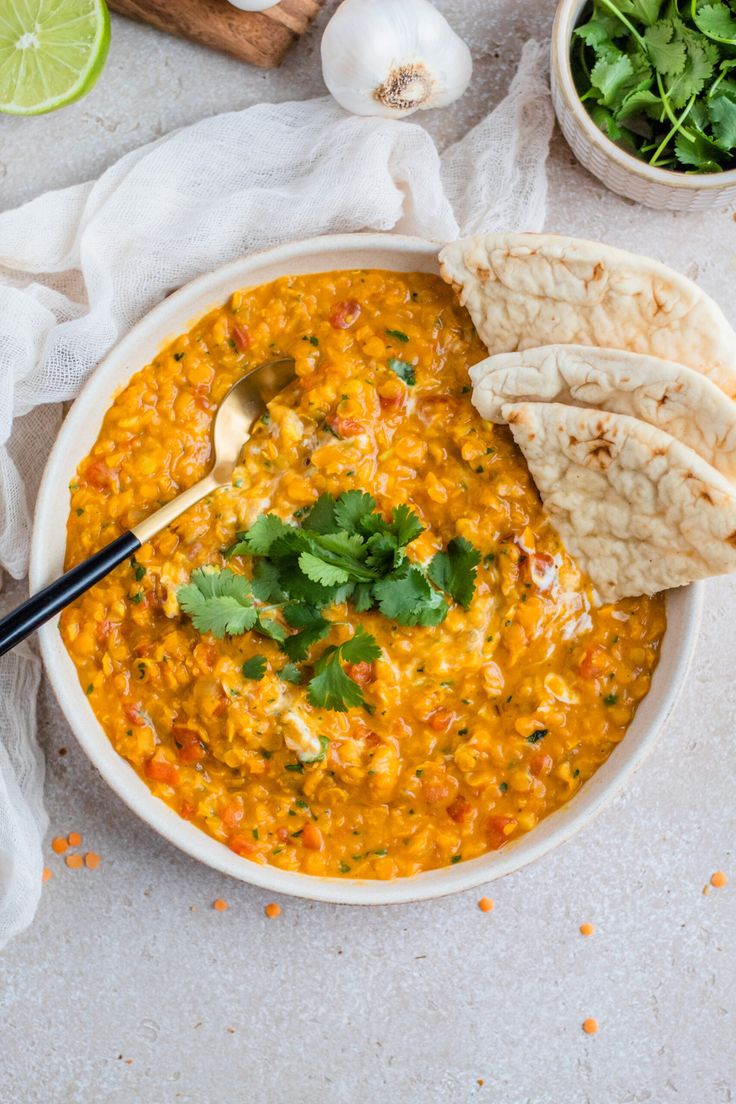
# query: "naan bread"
{"type": "Point", "coordinates": [538, 289]}
{"type": "Point", "coordinates": [638, 510]}
{"type": "Point", "coordinates": [668, 396]}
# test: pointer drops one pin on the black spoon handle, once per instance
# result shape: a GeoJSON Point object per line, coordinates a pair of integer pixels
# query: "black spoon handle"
{"type": "Point", "coordinates": [24, 620]}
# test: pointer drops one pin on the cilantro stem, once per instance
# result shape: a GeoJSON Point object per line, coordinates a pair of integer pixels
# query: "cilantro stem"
{"type": "Point", "coordinates": [619, 15]}
{"type": "Point", "coordinates": [677, 127]}
{"type": "Point", "coordinates": [670, 113]}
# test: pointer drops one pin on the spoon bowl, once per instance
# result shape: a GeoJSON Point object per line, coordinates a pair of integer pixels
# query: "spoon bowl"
{"type": "Point", "coordinates": [242, 406]}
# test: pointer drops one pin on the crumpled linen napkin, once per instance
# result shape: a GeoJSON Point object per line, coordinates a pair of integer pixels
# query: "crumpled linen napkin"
{"type": "Point", "coordinates": [79, 266]}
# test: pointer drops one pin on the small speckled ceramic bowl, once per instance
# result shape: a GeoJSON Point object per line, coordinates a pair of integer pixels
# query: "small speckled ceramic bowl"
{"type": "Point", "coordinates": [618, 170]}
{"type": "Point", "coordinates": [175, 315]}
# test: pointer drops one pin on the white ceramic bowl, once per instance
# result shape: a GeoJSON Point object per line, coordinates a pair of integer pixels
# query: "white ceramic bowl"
{"type": "Point", "coordinates": [175, 315]}
{"type": "Point", "coordinates": [618, 170]}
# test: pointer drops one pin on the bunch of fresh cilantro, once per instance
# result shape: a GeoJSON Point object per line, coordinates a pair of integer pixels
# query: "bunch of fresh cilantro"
{"type": "Point", "coordinates": [655, 76]}
{"type": "Point", "coordinates": [344, 550]}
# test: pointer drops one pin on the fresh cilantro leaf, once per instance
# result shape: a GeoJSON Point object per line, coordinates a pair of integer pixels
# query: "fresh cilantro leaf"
{"type": "Point", "coordinates": [405, 525]}
{"type": "Point", "coordinates": [645, 11]}
{"type": "Point", "coordinates": [702, 56]}
{"type": "Point", "coordinates": [261, 535]}
{"type": "Point", "coordinates": [332, 688]}
{"type": "Point", "coordinates": [219, 602]}
{"type": "Point", "coordinates": [290, 673]}
{"type": "Point", "coordinates": [611, 76]}
{"type": "Point", "coordinates": [319, 571]}
{"type": "Point", "coordinates": [321, 518]}
{"type": "Point", "coordinates": [537, 735]}
{"type": "Point", "coordinates": [696, 152]}
{"type": "Point", "coordinates": [404, 371]}
{"type": "Point", "coordinates": [312, 625]}
{"type": "Point", "coordinates": [605, 121]}
{"type": "Point", "coordinates": [599, 35]}
{"type": "Point", "coordinates": [455, 570]}
{"type": "Point", "coordinates": [722, 112]}
{"type": "Point", "coordinates": [361, 648]}
{"type": "Point", "coordinates": [363, 597]}
{"type": "Point", "coordinates": [265, 582]}
{"type": "Point", "coordinates": [642, 102]}
{"type": "Point", "coordinates": [717, 22]}
{"type": "Point", "coordinates": [351, 510]}
{"type": "Point", "coordinates": [266, 626]}
{"type": "Point", "coordinates": [666, 53]}
{"type": "Point", "coordinates": [408, 598]}
{"type": "Point", "coordinates": [255, 667]}
{"type": "Point", "coordinates": [398, 334]}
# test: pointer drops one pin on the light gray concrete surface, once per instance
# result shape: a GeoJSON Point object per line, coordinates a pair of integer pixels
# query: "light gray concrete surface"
{"type": "Point", "coordinates": [130, 989]}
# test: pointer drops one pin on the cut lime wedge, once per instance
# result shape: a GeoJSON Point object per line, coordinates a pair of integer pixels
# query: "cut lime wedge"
{"type": "Point", "coordinates": [51, 52]}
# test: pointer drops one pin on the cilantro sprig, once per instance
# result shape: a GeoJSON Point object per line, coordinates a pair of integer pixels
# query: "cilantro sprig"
{"type": "Point", "coordinates": [658, 77]}
{"type": "Point", "coordinates": [343, 550]}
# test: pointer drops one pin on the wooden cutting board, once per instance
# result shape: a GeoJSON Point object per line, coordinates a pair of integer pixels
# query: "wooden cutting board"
{"type": "Point", "coordinates": [262, 38]}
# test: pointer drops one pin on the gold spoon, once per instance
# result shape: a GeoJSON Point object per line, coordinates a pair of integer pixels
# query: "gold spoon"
{"type": "Point", "coordinates": [236, 415]}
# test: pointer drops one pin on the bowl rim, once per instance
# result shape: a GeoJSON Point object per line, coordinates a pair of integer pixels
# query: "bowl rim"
{"type": "Point", "coordinates": [565, 20]}
{"type": "Point", "coordinates": [80, 429]}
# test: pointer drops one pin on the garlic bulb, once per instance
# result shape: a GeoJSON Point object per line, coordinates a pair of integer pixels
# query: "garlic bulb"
{"type": "Point", "coordinates": [392, 57]}
{"type": "Point", "coordinates": [253, 5]}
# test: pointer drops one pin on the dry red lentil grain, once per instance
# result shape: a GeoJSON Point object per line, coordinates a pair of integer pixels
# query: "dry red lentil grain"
{"type": "Point", "coordinates": [74, 839]}
{"type": "Point", "coordinates": [59, 845]}
{"type": "Point", "coordinates": [74, 861]}
{"type": "Point", "coordinates": [719, 879]}
{"type": "Point", "coordinates": [590, 1026]}
{"type": "Point", "coordinates": [587, 929]}
{"type": "Point", "coordinates": [219, 905]}
{"type": "Point", "coordinates": [486, 904]}
{"type": "Point", "coordinates": [272, 911]}
{"type": "Point", "coordinates": [92, 860]}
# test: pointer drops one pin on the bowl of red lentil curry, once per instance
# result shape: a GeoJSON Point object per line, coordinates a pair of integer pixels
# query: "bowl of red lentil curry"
{"type": "Point", "coordinates": [368, 671]}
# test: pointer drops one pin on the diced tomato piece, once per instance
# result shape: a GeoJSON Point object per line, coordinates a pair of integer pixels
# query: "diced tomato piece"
{"type": "Point", "coordinates": [441, 720]}
{"type": "Point", "coordinates": [99, 475]}
{"type": "Point", "coordinates": [282, 834]}
{"type": "Point", "coordinates": [543, 570]}
{"type": "Point", "coordinates": [186, 811]}
{"type": "Point", "coordinates": [438, 786]}
{"type": "Point", "coordinates": [345, 427]}
{"type": "Point", "coordinates": [191, 750]}
{"type": "Point", "coordinates": [231, 814]}
{"type": "Point", "coordinates": [362, 673]}
{"type": "Point", "coordinates": [459, 810]}
{"type": "Point", "coordinates": [134, 715]}
{"type": "Point", "coordinates": [495, 830]}
{"type": "Point", "coordinates": [241, 846]}
{"type": "Point", "coordinates": [241, 337]}
{"type": "Point", "coordinates": [312, 837]}
{"type": "Point", "coordinates": [343, 314]}
{"type": "Point", "coordinates": [592, 662]}
{"type": "Point", "coordinates": [541, 764]}
{"type": "Point", "coordinates": [391, 403]}
{"type": "Point", "coordinates": [159, 770]}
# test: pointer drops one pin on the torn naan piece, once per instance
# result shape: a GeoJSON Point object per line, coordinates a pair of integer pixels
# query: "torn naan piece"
{"type": "Point", "coordinates": [638, 510]}
{"type": "Point", "coordinates": [539, 289]}
{"type": "Point", "coordinates": [666, 395]}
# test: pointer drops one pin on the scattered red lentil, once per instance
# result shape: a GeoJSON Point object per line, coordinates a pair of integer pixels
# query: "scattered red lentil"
{"type": "Point", "coordinates": [486, 904]}
{"type": "Point", "coordinates": [587, 929]}
{"type": "Point", "coordinates": [590, 1026]}
{"type": "Point", "coordinates": [92, 860]}
{"type": "Point", "coordinates": [74, 839]}
{"type": "Point", "coordinates": [719, 879]}
{"type": "Point", "coordinates": [47, 874]}
{"type": "Point", "coordinates": [59, 845]}
{"type": "Point", "coordinates": [481, 1082]}
{"type": "Point", "coordinates": [219, 905]}
{"type": "Point", "coordinates": [74, 861]}
{"type": "Point", "coordinates": [272, 911]}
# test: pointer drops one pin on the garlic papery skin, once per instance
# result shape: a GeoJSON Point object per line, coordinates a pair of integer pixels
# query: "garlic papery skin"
{"type": "Point", "coordinates": [393, 57]}
{"type": "Point", "coordinates": [253, 5]}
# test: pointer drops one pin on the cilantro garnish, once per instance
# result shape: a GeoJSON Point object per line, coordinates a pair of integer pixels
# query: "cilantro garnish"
{"type": "Point", "coordinates": [255, 667]}
{"type": "Point", "coordinates": [403, 370]}
{"type": "Point", "coordinates": [219, 602]}
{"type": "Point", "coordinates": [656, 77]}
{"type": "Point", "coordinates": [343, 550]}
{"type": "Point", "coordinates": [332, 687]}
{"type": "Point", "coordinates": [455, 570]}
{"type": "Point", "coordinates": [538, 735]}
{"type": "Point", "coordinates": [399, 335]}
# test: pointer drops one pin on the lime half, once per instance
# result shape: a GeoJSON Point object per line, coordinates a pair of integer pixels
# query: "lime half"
{"type": "Point", "coordinates": [51, 52]}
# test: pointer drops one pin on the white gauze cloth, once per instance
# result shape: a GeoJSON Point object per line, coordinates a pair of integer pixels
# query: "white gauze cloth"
{"type": "Point", "coordinates": [78, 267]}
